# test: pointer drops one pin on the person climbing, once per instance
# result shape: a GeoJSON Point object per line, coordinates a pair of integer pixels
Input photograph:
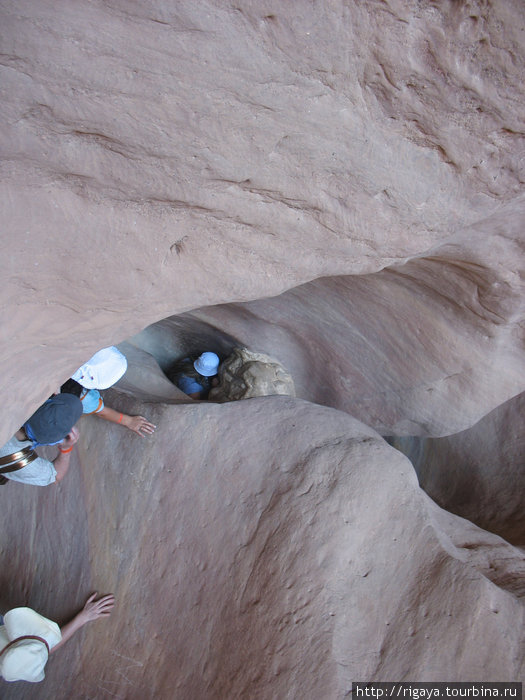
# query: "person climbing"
{"type": "Point", "coordinates": [103, 370]}
{"type": "Point", "coordinates": [195, 376]}
{"type": "Point", "coordinates": [27, 638]}
{"type": "Point", "coordinates": [51, 424]}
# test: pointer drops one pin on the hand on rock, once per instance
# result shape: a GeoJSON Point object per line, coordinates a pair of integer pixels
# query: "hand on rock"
{"type": "Point", "coordinates": [93, 609]}
{"type": "Point", "coordinates": [140, 425]}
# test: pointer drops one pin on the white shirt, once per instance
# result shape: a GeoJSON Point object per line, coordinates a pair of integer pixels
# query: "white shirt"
{"type": "Point", "coordinates": [41, 472]}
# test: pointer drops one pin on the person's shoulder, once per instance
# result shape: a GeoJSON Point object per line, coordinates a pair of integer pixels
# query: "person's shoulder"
{"type": "Point", "coordinates": [188, 385]}
{"type": "Point", "coordinates": [13, 445]}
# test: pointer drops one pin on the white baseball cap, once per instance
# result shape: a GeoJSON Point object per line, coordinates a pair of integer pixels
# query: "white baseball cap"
{"type": "Point", "coordinates": [102, 371]}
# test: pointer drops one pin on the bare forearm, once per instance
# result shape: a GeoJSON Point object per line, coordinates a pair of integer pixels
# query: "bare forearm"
{"type": "Point", "coordinates": [61, 465]}
{"type": "Point", "coordinates": [93, 610]}
{"type": "Point", "coordinates": [112, 415]}
{"type": "Point", "coordinates": [138, 424]}
{"type": "Point", "coordinates": [65, 449]}
{"type": "Point", "coordinates": [69, 629]}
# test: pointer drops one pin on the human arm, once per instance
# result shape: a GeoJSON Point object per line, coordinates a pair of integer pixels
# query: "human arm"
{"type": "Point", "coordinates": [92, 610]}
{"type": "Point", "coordinates": [138, 424]}
{"type": "Point", "coordinates": [65, 448]}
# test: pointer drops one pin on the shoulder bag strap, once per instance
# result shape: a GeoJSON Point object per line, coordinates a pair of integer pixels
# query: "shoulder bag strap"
{"type": "Point", "coordinates": [26, 636]}
{"type": "Point", "coordinates": [17, 460]}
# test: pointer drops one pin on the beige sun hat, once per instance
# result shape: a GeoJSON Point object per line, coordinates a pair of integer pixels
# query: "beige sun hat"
{"type": "Point", "coordinates": [26, 640]}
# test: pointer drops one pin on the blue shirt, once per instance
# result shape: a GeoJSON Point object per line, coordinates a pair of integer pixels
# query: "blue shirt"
{"type": "Point", "coordinates": [91, 401]}
{"type": "Point", "coordinates": [189, 385]}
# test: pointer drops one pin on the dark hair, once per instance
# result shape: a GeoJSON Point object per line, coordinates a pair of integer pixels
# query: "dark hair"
{"type": "Point", "coordinates": [71, 387]}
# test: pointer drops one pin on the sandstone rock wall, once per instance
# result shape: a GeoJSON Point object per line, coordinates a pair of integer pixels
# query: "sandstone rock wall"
{"type": "Point", "coordinates": [478, 473]}
{"type": "Point", "coordinates": [264, 548]}
{"type": "Point", "coordinates": [162, 157]}
{"type": "Point", "coordinates": [343, 184]}
{"type": "Point", "coordinates": [427, 348]}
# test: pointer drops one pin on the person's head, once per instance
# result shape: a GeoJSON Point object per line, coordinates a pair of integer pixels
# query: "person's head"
{"type": "Point", "coordinates": [30, 636]}
{"type": "Point", "coordinates": [207, 364]}
{"type": "Point", "coordinates": [50, 423]}
{"type": "Point", "coordinates": [103, 370]}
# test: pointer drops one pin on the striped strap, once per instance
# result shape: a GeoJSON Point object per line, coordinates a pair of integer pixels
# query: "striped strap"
{"type": "Point", "coordinates": [17, 460]}
{"type": "Point", "coordinates": [7, 459]}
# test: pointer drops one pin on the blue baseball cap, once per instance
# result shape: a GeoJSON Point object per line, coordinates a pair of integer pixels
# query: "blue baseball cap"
{"type": "Point", "coordinates": [50, 423]}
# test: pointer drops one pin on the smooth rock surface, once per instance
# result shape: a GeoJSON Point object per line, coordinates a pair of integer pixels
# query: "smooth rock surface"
{"type": "Point", "coordinates": [427, 348]}
{"type": "Point", "coordinates": [478, 473]}
{"type": "Point", "coordinates": [263, 548]}
{"type": "Point", "coordinates": [144, 377]}
{"type": "Point", "coordinates": [338, 185]}
{"type": "Point", "coordinates": [162, 157]}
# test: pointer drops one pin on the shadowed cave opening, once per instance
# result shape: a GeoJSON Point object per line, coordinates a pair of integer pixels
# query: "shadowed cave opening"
{"type": "Point", "coordinates": [154, 363]}
{"type": "Point", "coordinates": [152, 352]}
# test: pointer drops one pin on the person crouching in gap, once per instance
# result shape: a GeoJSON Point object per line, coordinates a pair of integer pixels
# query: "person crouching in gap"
{"type": "Point", "coordinates": [195, 376]}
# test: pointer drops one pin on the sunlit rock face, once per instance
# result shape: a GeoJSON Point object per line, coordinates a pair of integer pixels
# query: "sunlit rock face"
{"type": "Point", "coordinates": [263, 548]}
{"type": "Point", "coordinates": [160, 157]}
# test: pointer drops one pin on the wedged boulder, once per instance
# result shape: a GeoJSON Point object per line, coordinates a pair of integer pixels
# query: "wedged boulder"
{"type": "Point", "coordinates": [246, 374]}
{"type": "Point", "coordinates": [266, 548]}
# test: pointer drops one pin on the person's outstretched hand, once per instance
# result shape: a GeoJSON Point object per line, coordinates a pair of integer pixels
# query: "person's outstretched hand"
{"type": "Point", "coordinates": [93, 609]}
{"type": "Point", "coordinates": [139, 425]}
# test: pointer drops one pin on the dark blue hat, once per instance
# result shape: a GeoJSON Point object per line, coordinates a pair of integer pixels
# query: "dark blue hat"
{"type": "Point", "coordinates": [54, 419]}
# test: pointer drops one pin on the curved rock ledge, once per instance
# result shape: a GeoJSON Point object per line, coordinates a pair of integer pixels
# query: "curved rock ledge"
{"type": "Point", "coordinates": [162, 158]}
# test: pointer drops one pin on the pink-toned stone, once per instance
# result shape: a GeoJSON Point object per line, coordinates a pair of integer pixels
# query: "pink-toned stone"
{"type": "Point", "coordinates": [364, 163]}
{"type": "Point", "coordinates": [162, 157]}
{"type": "Point", "coordinates": [262, 548]}
{"type": "Point", "coordinates": [427, 348]}
{"type": "Point", "coordinates": [478, 473]}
